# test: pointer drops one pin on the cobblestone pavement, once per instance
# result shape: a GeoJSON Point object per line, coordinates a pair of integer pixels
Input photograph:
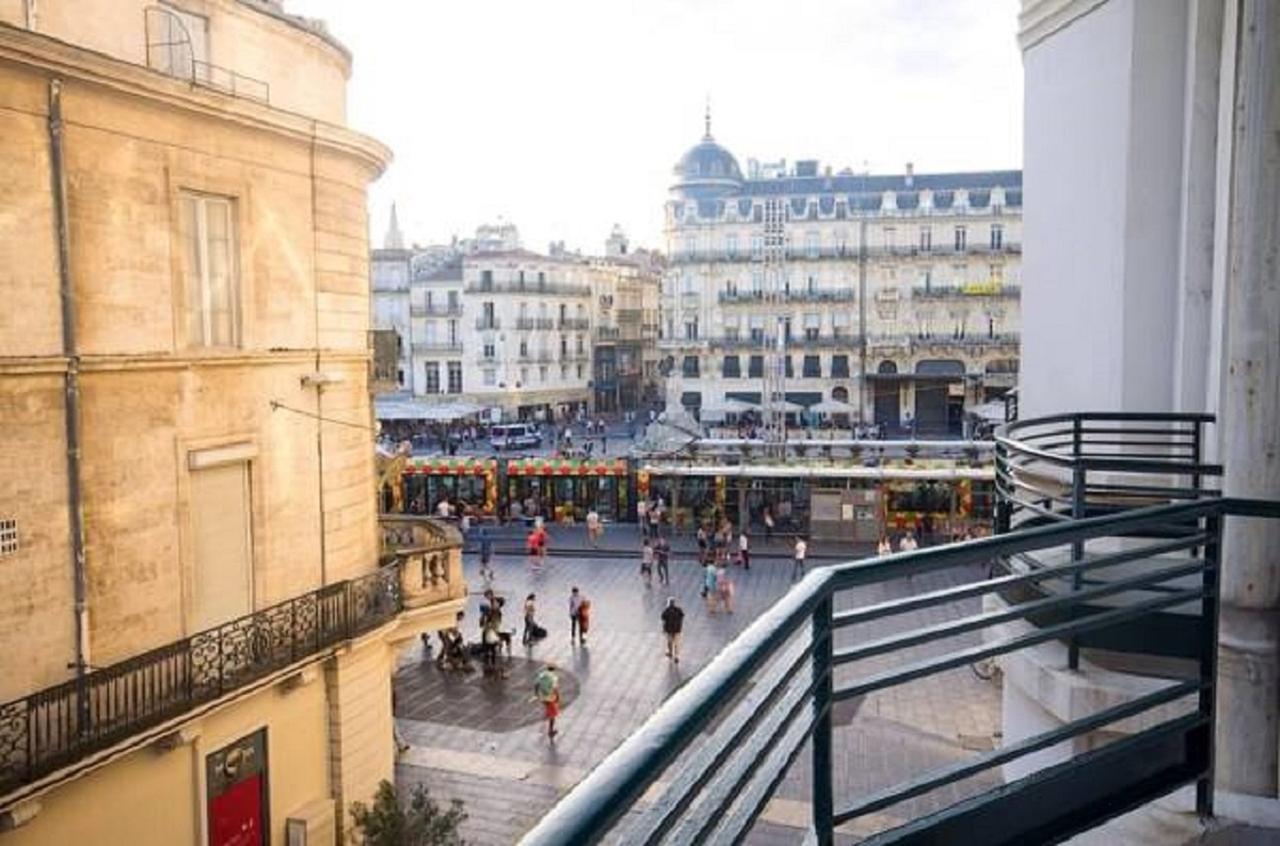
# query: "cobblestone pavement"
{"type": "Point", "coordinates": [480, 739]}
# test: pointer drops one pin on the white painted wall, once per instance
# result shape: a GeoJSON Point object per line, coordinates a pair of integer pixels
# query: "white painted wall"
{"type": "Point", "coordinates": [1103, 153]}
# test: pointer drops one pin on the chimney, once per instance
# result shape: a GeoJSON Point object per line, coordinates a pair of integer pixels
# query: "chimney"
{"type": "Point", "coordinates": [910, 179]}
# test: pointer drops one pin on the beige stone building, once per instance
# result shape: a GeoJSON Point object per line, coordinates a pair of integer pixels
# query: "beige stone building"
{"type": "Point", "coordinates": [200, 612]}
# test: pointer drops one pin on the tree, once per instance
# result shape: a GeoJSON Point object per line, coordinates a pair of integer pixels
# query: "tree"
{"type": "Point", "coordinates": [422, 822]}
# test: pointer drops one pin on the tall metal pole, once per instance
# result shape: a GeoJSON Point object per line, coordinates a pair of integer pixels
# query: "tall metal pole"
{"type": "Point", "coordinates": [862, 320]}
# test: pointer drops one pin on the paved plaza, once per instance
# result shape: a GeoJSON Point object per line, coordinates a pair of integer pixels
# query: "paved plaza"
{"type": "Point", "coordinates": [480, 739]}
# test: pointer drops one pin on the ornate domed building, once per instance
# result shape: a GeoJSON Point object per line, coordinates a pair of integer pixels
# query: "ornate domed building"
{"type": "Point", "coordinates": [897, 298]}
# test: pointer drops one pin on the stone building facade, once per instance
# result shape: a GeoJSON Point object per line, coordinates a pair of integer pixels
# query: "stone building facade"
{"type": "Point", "coordinates": [896, 294]}
{"type": "Point", "coordinates": [528, 335]}
{"type": "Point", "coordinates": [183, 255]}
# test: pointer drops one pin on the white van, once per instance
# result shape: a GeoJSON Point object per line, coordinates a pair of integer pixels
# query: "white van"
{"type": "Point", "coordinates": [514, 436]}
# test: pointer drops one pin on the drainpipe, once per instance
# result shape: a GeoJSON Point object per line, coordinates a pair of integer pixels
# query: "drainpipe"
{"type": "Point", "coordinates": [71, 390]}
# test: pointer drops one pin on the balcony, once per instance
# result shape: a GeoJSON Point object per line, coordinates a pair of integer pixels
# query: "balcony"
{"type": "Point", "coordinates": [561, 289]}
{"type": "Point", "coordinates": [574, 324]}
{"type": "Point", "coordinates": [530, 323]}
{"type": "Point", "coordinates": [437, 347]}
{"type": "Point", "coordinates": [795, 342]}
{"type": "Point", "coordinates": [971, 291]}
{"type": "Point", "coordinates": [705, 765]}
{"type": "Point", "coordinates": [796, 253]}
{"type": "Point", "coordinates": [169, 51]}
{"type": "Point", "coordinates": [815, 296]}
{"type": "Point", "coordinates": [428, 553]}
{"type": "Point", "coordinates": [608, 333]}
{"type": "Point", "coordinates": [485, 324]}
{"type": "Point", "coordinates": [436, 310]}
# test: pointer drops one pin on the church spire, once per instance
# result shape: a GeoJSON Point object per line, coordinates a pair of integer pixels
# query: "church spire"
{"type": "Point", "coordinates": [394, 239]}
{"type": "Point", "coordinates": [707, 117]}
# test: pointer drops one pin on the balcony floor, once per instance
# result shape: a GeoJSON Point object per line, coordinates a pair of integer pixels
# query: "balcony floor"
{"type": "Point", "coordinates": [500, 763]}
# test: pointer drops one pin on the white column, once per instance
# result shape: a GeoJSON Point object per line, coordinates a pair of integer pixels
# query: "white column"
{"type": "Point", "coordinates": [1249, 675]}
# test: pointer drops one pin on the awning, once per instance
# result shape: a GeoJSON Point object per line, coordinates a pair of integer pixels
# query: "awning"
{"type": "Point", "coordinates": [832, 407]}
{"type": "Point", "coordinates": [415, 409]}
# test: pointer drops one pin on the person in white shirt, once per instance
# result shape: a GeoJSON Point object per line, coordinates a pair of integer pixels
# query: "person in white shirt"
{"type": "Point", "coordinates": [801, 550]}
{"type": "Point", "coordinates": [908, 543]}
{"type": "Point", "coordinates": [744, 553]}
{"type": "Point", "coordinates": [594, 529]}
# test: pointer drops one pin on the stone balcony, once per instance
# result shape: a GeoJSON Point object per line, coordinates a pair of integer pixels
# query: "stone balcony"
{"type": "Point", "coordinates": [428, 554]}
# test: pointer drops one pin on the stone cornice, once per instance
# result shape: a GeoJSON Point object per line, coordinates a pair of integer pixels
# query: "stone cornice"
{"type": "Point", "coordinates": [55, 57]}
{"type": "Point", "coordinates": [31, 365]}
{"type": "Point", "coordinates": [1041, 18]}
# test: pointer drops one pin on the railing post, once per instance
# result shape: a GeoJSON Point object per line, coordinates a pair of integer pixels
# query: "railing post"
{"type": "Point", "coordinates": [823, 798]}
{"type": "Point", "coordinates": [1207, 705]}
{"type": "Point", "coordinates": [1077, 512]}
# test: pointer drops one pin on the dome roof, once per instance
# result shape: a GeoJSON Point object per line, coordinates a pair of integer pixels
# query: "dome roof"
{"type": "Point", "coordinates": [708, 161]}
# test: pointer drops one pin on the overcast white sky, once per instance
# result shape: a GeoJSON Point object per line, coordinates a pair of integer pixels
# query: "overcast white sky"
{"type": "Point", "coordinates": [566, 116]}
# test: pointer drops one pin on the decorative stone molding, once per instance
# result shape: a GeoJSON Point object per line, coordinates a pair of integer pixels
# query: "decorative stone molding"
{"type": "Point", "coordinates": [1041, 18]}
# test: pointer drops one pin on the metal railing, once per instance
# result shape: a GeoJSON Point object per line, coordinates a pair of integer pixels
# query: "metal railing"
{"type": "Point", "coordinates": [429, 347]}
{"type": "Point", "coordinates": [527, 323]}
{"type": "Point", "coordinates": [170, 51]}
{"type": "Point", "coordinates": [722, 744]}
{"type": "Point", "coordinates": [488, 323]}
{"type": "Point", "coordinates": [951, 292]}
{"type": "Point", "coordinates": [574, 323]}
{"type": "Point", "coordinates": [798, 296]}
{"type": "Point", "coordinates": [848, 253]}
{"type": "Point", "coordinates": [436, 310]}
{"type": "Point", "coordinates": [566, 289]}
{"type": "Point", "coordinates": [58, 726]}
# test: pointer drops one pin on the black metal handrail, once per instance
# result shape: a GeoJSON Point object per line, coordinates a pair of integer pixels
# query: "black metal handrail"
{"type": "Point", "coordinates": [770, 691]}
{"type": "Point", "coordinates": [58, 726]}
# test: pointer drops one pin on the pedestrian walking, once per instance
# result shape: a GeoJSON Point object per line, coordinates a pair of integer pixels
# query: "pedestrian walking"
{"type": "Point", "coordinates": [724, 588]}
{"type": "Point", "coordinates": [802, 549]}
{"type": "Point", "coordinates": [486, 557]}
{"type": "Point", "coordinates": [672, 626]}
{"type": "Point", "coordinates": [531, 627]}
{"type": "Point", "coordinates": [578, 611]}
{"type": "Point", "coordinates": [709, 592]}
{"type": "Point", "coordinates": [646, 563]}
{"type": "Point", "coordinates": [604, 440]}
{"type": "Point", "coordinates": [768, 523]}
{"type": "Point", "coordinates": [744, 551]}
{"type": "Point", "coordinates": [702, 544]}
{"type": "Point", "coordinates": [546, 689]}
{"type": "Point", "coordinates": [662, 554]}
{"type": "Point", "coordinates": [655, 519]}
{"type": "Point", "coordinates": [594, 528]}
{"type": "Point", "coordinates": [642, 516]}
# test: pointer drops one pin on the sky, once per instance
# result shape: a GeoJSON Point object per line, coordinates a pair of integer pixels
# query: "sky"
{"type": "Point", "coordinates": [567, 116]}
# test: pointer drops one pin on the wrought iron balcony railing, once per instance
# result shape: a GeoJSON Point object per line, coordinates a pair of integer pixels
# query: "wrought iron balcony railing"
{"type": "Point", "coordinates": [436, 347]}
{"type": "Point", "coordinates": [564, 289]}
{"type": "Point", "coordinates": [576, 323]}
{"type": "Point", "coordinates": [953, 292]}
{"type": "Point", "coordinates": [529, 323]}
{"type": "Point", "coordinates": [56, 727]}
{"type": "Point", "coordinates": [723, 743]}
{"type": "Point", "coordinates": [436, 310]}
{"type": "Point", "coordinates": [830, 295]}
{"type": "Point", "coordinates": [800, 253]}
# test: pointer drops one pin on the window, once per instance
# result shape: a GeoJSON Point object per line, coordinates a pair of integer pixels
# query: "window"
{"type": "Point", "coordinates": [731, 245]}
{"type": "Point", "coordinates": [690, 367]}
{"type": "Point", "coordinates": [732, 367]}
{"type": "Point", "coordinates": [890, 238]}
{"type": "Point", "coordinates": [926, 277]}
{"type": "Point", "coordinates": [524, 376]}
{"type": "Point", "coordinates": [731, 328]}
{"type": "Point", "coordinates": [787, 368]}
{"type": "Point", "coordinates": [542, 278]}
{"type": "Point", "coordinates": [755, 366]}
{"type": "Point", "coordinates": [564, 313]}
{"type": "Point", "coordinates": [489, 350]}
{"type": "Point", "coordinates": [812, 244]}
{"type": "Point", "coordinates": [520, 278]}
{"type": "Point", "coordinates": [812, 368]}
{"type": "Point", "coordinates": [691, 329]}
{"type": "Point", "coordinates": [524, 346]}
{"type": "Point", "coordinates": [757, 327]}
{"type": "Point", "coordinates": [433, 377]}
{"type": "Point", "coordinates": [757, 246]}
{"type": "Point", "coordinates": [579, 371]}
{"type": "Point", "coordinates": [212, 295]}
{"type": "Point", "coordinates": [486, 280]}
{"type": "Point", "coordinates": [997, 236]}
{"type": "Point", "coordinates": [400, 376]}
{"type": "Point", "coordinates": [961, 238]}
{"type": "Point", "coordinates": [490, 377]}
{"type": "Point", "coordinates": [926, 239]}
{"type": "Point", "coordinates": [839, 367]}
{"type": "Point", "coordinates": [453, 301]}
{"type": "Point", "coordinates": [564, 372]}
{"type": "Point", "coordinates": [812, 326]}
{"type": "Point", "coordinates": [168, 50]}
{"type": "Point", "coordinates": [455, 377]}
{"type": "Point", "coordinates": [564, 345]}
{"type": "Point", "coordinates": [839, 324]}
{"type": "Point", "coordinates": [8, 537]}
{"type": "Point", "coordinates": [488, 316]}
{"type": "Point", "coordinates": [542, 373]}
{"type": "Point", "coordinates": [221, 536]}
{"type": "Point", "coordinates": [580, 347]}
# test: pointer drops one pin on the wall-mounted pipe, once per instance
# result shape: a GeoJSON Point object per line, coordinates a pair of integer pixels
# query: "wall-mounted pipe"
{"type": "Point", "coordinates": [71, 383]}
